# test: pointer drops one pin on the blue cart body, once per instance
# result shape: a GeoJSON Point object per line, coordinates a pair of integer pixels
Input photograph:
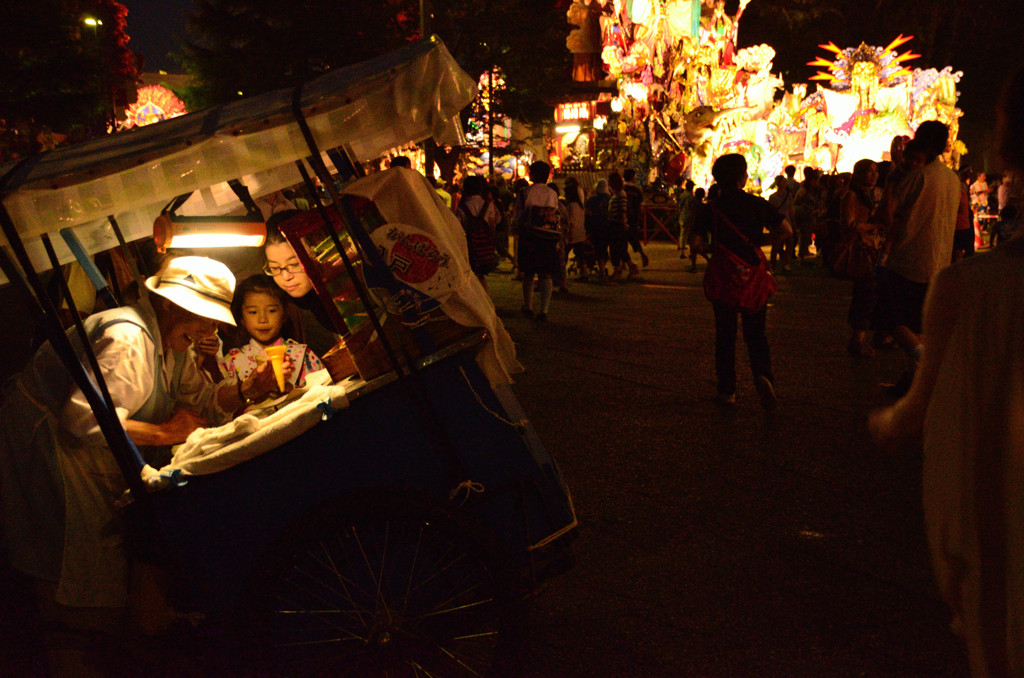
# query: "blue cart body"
{"type": "Point", "coordinates": [443, 433]}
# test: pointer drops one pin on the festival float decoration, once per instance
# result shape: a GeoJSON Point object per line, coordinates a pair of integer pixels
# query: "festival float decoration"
{"type": "Point", "coordinates": [154, 103]}
{"type": "Point", "coordinates": [488, 131]}
{"type": "Point", "coordinates": [687, 95]}
{"type": "Point", "coordinates": [871, 97]}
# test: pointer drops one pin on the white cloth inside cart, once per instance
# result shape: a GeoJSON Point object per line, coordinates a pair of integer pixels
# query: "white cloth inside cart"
{"type": "Point", "coordinates": [257, 431]}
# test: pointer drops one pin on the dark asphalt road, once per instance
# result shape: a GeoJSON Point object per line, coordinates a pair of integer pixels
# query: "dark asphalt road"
{"type": "Point", "coordinates": [717, 542]}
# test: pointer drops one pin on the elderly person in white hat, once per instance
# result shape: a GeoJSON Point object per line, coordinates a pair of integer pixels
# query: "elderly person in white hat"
{"type": "Point", "coordinates": [59, 480]}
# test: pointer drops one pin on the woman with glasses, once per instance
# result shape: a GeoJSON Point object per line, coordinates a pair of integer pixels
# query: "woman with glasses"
{"type": "Point", "coordinates": [310, 320]}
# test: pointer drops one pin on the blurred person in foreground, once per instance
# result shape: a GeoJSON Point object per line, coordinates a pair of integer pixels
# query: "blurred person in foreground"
{"type": "Point", "coordinates": [965, 402]}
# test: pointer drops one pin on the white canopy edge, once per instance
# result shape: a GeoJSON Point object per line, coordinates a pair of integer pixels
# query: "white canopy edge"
{"type": "Point", "coordinates": [368, 108]}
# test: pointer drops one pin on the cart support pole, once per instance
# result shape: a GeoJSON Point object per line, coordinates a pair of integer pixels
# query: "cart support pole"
{"type": "Point", "coordinates": [359, 235]}
{"type": "Point", "coordinates": [373, 257]}
{"type": "Point", "coordinates": [130, 256]}
{"type": "Point", "coordinates": [83, 336]}
{"type": "Point", "coordinates": [90, 268]}
{"type": "Point", "coordinates": [360, 285]}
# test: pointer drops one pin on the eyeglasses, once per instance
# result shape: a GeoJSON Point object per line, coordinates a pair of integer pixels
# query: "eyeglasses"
{"type": "Point", "coordinates": [274, 271]}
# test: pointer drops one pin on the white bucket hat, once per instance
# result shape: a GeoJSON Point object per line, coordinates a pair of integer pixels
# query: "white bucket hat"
{"type": "Point", "coordinates": [197, 284]}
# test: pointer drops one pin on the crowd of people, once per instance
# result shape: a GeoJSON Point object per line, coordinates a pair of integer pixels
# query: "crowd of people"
{"type": "Point", "coordinates": [549, 232]}
{"type": "Point", "coordinates": [887, 226]}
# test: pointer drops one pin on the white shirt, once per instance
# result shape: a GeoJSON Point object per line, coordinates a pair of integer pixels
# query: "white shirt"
{"type": "Point", "coordinates": [125, 356]}
{"type": "Point", "coordinates": [475, 203]}
{"type": "Point", "coordinates": [541, 195]}
{"type": "Point", "coordinates": [577, 223]}
{"type": "Point", "coordinates": [927, 202]}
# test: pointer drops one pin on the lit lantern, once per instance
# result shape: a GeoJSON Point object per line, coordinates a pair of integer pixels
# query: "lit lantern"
{"type": "Point", "coordinates": [635, 90]}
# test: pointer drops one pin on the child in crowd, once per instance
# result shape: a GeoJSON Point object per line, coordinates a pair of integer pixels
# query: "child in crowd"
{"type": "Point", "coordinates": [1007, 227]}
{"type": "Point", "coordinates": [259, 307]}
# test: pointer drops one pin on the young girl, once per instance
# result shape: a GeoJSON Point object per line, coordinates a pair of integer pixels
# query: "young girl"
{"type": "Point", "coordinates": [259, 307]}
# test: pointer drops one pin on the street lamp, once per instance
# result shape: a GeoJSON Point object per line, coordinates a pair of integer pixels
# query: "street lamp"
{"type": "Point", "coordinates": [94, 23]}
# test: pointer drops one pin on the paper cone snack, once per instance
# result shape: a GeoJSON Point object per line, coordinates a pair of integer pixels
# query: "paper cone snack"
{"type": "Point", "coordinates": [276, 356]}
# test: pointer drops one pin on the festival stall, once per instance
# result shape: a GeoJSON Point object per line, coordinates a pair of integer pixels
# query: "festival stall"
{"type": "Point", "coordinates": [388, 516]}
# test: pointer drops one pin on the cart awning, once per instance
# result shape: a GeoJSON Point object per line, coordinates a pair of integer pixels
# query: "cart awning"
{"type": "Point", "coordinates": [368, 108]}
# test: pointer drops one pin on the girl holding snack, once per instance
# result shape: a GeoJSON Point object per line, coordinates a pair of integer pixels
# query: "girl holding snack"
{"type": "Point", "coordinates": [259, 306]}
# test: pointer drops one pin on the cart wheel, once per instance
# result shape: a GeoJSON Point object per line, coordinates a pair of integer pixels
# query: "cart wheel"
{"type": "Point", "coordinates": [393, 587]}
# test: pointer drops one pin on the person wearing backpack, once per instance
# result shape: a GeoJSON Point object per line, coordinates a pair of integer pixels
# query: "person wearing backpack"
{"type": "Point", "coordinates": [539, 229]}
{"type": "Point", "coordinates": [479, 216]}
{"type": "Point", "coordinates": [634, 215]}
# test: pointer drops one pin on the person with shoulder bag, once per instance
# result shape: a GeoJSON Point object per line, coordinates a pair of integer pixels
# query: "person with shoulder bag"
{"type": "Point", "coordinates": [737, 282]}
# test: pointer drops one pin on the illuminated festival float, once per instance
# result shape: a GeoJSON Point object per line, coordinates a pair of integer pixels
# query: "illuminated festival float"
{"type": "Point", "coordinates": [154, 103]}
{"type": "Point", "coordinates": [686, 95]}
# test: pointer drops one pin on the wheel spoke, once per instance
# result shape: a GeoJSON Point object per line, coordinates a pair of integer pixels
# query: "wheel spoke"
{"type": "Point", "coordinates": [344, 593]}
{"type": "Point", "coordinates": [376, 577]}
{"type": "Point", "coordinates": [457, 608]}
{"type": "Point", "coordinates": [459, 661]}
{"type": "Point", "coordinates": [441, 565]}
{"type": "Point", "coordinates": [412, 572]}
{"type": "Point", "coordinates": [322, 618]}
{"type": "Point", "coordinates": [397, 592]}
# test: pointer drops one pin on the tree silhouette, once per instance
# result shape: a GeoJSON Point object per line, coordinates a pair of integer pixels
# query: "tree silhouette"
{"type": "Point", "coordinates": [57, 71]}
{"type": "Point", "coordinates": [253, 46]}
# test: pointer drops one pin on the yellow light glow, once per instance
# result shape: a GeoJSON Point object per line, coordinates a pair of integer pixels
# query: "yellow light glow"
{"type": "Point", "coordinates": [634, 90]}
{"type": "Point", "coordinates": [188, 232]}
{"type": "Point", "coordinates": [199, 240]}
{"type": "Point", "coordinates": [579, 110]}
{"type": "Point", "coordinates": [567, 129]}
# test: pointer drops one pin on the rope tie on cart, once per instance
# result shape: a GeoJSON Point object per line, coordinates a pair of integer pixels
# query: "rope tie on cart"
{"type": "Point", "coordinates": [518, 424]}
{"type": "Point", "coordinates": [326, 411]}
{"type": "Point", "coordinates": [467, 488]}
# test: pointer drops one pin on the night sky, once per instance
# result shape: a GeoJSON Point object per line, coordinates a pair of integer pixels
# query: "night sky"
{"type": "Point", "coordinates": [155, 27]}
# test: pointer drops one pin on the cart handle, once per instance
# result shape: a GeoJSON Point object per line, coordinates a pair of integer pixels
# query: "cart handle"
{"type": "Point", "coordinates": [89, 266]}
